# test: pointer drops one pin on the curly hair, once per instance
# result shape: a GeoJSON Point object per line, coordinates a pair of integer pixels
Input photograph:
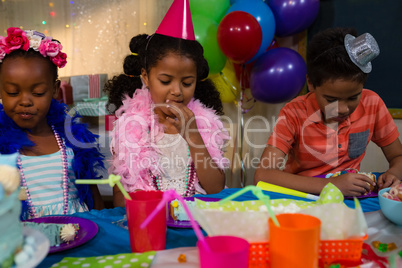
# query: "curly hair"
{"type": "Point", "coordinates": [327, 58]}
{"type": "Point", "coordinates": [146, 52]}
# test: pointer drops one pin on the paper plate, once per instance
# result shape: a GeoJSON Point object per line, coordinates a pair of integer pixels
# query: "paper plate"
{"type": "Point", "coordinates": [87, 231]}
{"type": "Point", "coordinates": [370, 194]}
{"type": "Point", "coordinates": [170, 222]}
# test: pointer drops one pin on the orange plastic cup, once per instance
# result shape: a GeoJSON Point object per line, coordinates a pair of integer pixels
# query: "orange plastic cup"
{"type": "Point", "coordinates": [295, 243]}
{"type": "Point", "coordinates": [153, 236]}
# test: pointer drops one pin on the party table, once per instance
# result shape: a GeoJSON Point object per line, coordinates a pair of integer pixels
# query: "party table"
{"type": "Point", "coordinates": [113, 239]}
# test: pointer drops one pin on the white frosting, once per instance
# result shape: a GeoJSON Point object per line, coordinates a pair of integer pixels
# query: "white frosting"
{"type": "Point", "coordinates": [9, 178]}
{"type": "Point", "coordinates": [68, 232]}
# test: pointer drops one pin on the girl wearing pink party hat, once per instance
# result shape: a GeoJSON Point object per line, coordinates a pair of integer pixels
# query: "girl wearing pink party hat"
{"type": "Point", "coordinates": [168, 134]}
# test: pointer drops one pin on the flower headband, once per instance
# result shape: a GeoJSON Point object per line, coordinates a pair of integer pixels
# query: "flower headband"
{"type": "Point", "coordinates": [19, 39]}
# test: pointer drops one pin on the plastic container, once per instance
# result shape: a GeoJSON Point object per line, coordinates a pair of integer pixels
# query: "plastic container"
{"type": "Point", "coordinates": [347, 251]}
{"type": "Point", "coordinates": [295, 241]}
{"type": "Point", "coordinates": [258, 255]}
{"type": "Point", "coordinates": [153, 236]}
{"type": "Point", "coordinates": [225, 251]}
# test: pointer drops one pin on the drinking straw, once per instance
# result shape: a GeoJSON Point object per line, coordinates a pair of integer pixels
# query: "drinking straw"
{"type": "Point", "coordinates": [283, 190]}
{"type": "Point", "coordinates": [259, 194]}
{"type": "Point", "coordinates": [168, 196]}
{"type": "Point", "coordinates": [112, 181]}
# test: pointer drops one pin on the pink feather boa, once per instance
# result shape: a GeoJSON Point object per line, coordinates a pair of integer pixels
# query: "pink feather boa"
{"type": "Point", "coordinates": [137, 129]}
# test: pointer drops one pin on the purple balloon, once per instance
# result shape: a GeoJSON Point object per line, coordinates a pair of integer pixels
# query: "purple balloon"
{"type": "Point", "coordinates": [278, 75]}
{"type": "Point", "coordinates": [292, 17]}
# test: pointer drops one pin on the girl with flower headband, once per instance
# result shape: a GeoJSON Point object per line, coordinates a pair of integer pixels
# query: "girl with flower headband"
{"type": "Point", "coordinates": [54, 148]}
{"type": "Point", "coordinates": [168, 134]}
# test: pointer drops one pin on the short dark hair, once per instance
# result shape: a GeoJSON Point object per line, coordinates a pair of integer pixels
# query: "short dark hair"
{"type": "Point", "coordinates": [31, 53]}
{"type": "Point", "coordinates": [146, 51]}
{"type": "Point", "coordinates": [327, 58]}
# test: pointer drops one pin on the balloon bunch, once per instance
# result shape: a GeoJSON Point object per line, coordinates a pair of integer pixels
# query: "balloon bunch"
{"type": "Point", "coordinates": [238, 37]}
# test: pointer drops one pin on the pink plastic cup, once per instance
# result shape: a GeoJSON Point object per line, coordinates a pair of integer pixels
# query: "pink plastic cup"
{"type": "Point", "coordinates": [224, 251]}
{"type": "Point", "coordinates": [153, 236]}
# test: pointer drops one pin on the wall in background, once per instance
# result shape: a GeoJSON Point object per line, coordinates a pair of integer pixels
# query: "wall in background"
{"type": "Point", "coordinates": [383, 20]}
{"type": "Point", "coordinates": [94, 33]}
{"type": "Point", "coordinates": [374, 160]}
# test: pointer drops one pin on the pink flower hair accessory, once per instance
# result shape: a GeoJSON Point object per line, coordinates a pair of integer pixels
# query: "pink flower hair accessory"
{"type": "Point", "coordinates": [24, 40]}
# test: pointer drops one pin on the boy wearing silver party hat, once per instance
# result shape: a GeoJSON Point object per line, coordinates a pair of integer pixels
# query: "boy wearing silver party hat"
{"type": "Point", "coordinates": [328, 129]}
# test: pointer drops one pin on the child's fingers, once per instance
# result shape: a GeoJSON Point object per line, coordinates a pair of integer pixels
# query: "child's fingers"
{"type": "Point", "coordinates": [173, 121]}
{"type": "Point", "coordinates": [386, 184]}
{"type": "Point", "coordinates": [179, 109]}
{"type": "Point", "coordinates": [157, 109]}
{"type": "Point", "coordinates": [364, 183]}
{"type": "Point", "coordinates": [356, 190]}
{"type": "Point", "coordinates": [380, 179]}
{"type": "Point", "coordinates": [361, 179]}
{"type": "Point", "coordinates": [176, 111]}
{"type": "Point", "coordinates": [390, 181]}
{"type": "Point", "coordinates": [396, 182]}
{"type": "Point", "coordinates": [364, 188]}
{"type": "Point", "coordinates": [387, 180]}
{"type": "Point", "coordinates": [179, 125]}
{"type": "Point", "coordinates": [367, 179]}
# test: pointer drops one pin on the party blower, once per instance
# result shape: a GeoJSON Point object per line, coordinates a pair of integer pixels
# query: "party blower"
{"type": "Point", "coordinates": [214, 251]}
{"type": "Point", "coordinates": [283, 190]}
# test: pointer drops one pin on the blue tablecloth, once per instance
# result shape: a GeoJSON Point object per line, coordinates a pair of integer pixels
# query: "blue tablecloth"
{"type": "Point", "coordinates": [112, 239]}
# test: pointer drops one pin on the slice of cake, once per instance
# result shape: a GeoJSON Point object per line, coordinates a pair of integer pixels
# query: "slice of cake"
{"type": "Point", "coordinates": [56, 233]}
{"type": "Point", "coordinates": [177, 211]}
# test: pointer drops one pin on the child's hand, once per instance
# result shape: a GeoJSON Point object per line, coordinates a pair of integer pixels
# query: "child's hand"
{"type": "Point", "coordinates": [352, 184]}
{"type": "Point", "coordinates": [387, 179]}
{"type": "Point", "coordinates": [183, 117]}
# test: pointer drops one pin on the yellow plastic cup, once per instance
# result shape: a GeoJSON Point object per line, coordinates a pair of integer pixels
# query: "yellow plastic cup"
{"type": "Point", "coordinates": [295, 242]}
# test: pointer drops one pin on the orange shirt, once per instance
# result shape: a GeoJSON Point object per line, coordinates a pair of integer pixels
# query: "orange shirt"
{"type": "Point", "coordinates": [315, 149]}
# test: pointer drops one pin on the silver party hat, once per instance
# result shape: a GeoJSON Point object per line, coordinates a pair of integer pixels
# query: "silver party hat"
{"type": "Point", "coordinates": [362, 50]}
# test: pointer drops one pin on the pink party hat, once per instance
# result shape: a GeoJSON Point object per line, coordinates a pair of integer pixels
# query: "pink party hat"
{"type": "Point", "coordinates": [177, 21]}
